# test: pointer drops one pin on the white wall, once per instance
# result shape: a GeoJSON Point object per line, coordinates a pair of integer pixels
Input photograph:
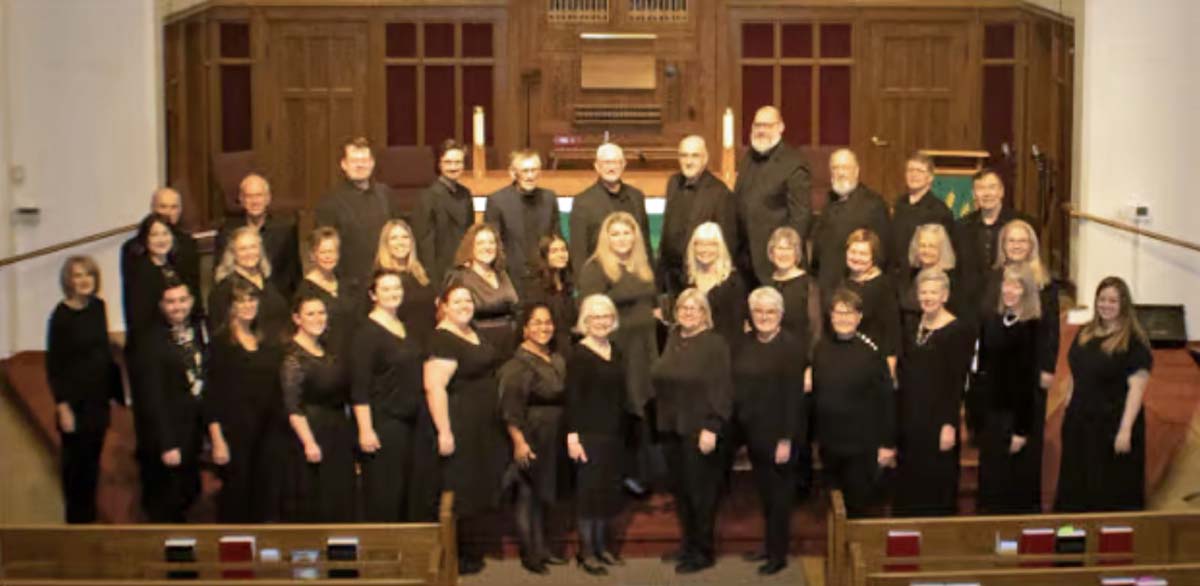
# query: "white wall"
{"type": "Point", "coordinates": [1140, 119]}
{"type": "Point", "coordinates": [81, 107]}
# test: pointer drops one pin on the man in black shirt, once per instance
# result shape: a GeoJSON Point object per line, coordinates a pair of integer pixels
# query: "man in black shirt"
{"type": "Point", "coordinates": [694, 196]}
{"type": "Point", "coordinates": [916, 207]}
{"type": "Point", "coordinates": [851, 206]}
{"type": "Point", "coordinates": [523, 213]}
{"type": "Point", "coordinates": [772, 190]}
{"type": "Point", "coordinates": [357, 207]}
{"type": "Point", "coordinates": [166, 202]}
{"type": "Point", "coordinates": [609, 194]}
{"type": "Point", "coordinates": [979, 231]}
{"type": "Point", "coordinates": [280, 239]}
{"type": "Point", "coordinates": [444, 212]}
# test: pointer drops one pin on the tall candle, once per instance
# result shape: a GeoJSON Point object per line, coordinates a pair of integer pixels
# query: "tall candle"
{"type": "Point", "coordinates": [727, 123]}
{"type": "Point", "coordinates": [477, 119]}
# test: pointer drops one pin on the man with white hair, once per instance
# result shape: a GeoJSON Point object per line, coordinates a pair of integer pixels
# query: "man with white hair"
{"type": "Point", "coordinates": [694, 196]}
{"type": "Point", "coordinates": [523, 213]}
{"type": "Point", "coordinates": [772, 190]}
{"type": "Point", "coordinates": [280, 238]}
{"type": "Point", "coordinates": [851, 205]}
{"type": "Point", "coordinates": [609, 194]}
{"type": "Point", "coordinates": [167, 202]}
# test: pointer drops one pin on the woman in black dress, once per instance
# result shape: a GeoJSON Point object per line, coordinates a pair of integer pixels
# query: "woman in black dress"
{"type": "Point", "coordinates": [1104, 432]}
{"type": "Point", "coordinates": [245, 411]}
{"type": "Point", "coordinates": [933, 373]}
{"type": "Point", "coordinates": [170, 370]}
{"type": "Point", "coordinates": [595, 423]}
{"type": "Point", "coordinates": [245, 262]}
{"type": "Point", "coordinates": [461, 390]}
{"type": "Point", "coordinates": [620, 270]}
{"type": "Point", "coordinates": [531, 404]}
{"type": "Point", "coordinates": [855, 411]}
{"type": "Point", "coordinates": [316, 391]}
{"type": "Point", "coordinates": [880, 311]}
{"type": "Point", "coordinates": [554, 289]}
{"type": "Point", "coordinates": [387, 391]}
{"type": "Point", "coordinates": [143, 279]}
{"type": "Point", "coordinates": [693, 380]}
{"type": "Point", "coordinates": [398, 252]}
{"type": "Point", "coordinates": [1013, 407]}
{"type": "Point", "coordinates": [710, 269]}
{"type": "Point", "coordinates": [479, 266]}
{"type": "Point", "coordinates": [343, 310]}
{"type": "Point", "coordinates": [83, 378]}
{"type": "Point", "coordinates": [930, 249]}
{"type": "Point", "coordinates": [768, 414]}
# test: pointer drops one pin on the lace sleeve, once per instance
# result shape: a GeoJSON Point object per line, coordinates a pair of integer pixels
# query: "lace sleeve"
{"type": "Point", "coordinates": [291, 377]}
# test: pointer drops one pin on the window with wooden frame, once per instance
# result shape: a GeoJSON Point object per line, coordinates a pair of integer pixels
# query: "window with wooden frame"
{"type": "Point", "coordinates": [804, 68]}
{"type": "Point", "coordinates": [234, 62]}
{"type": "Point", "coordinates": [436, 73]}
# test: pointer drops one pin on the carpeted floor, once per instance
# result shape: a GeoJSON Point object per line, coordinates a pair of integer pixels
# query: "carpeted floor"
{"type": "Point", "coordinates": [729, 570]}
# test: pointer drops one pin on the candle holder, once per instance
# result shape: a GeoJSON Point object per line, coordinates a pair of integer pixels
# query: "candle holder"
{"type": "Point", "coordinates": [478, 140]}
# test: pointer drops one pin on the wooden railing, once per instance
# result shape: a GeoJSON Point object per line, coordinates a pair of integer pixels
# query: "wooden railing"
{"type": "Point", "coordinates": [12, 260]}
{"type": "Point", "coordinates": [1078, 215]}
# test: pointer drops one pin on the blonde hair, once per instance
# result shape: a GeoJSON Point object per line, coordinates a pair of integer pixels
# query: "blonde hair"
{"type": "Point", "coordinates": [789, 234]}
{"type": "Point", "coordinates": [946, 258]}
{"type": "Point", "coordinates": [1030, 305]}
{"type": "Point", "coordinates": [384, 259]}
{"type": "Point", "coordinates": [228, 264]}
{"type": "Point", "coordinates": [89, 266]}
{"type": "Point", "coordinates": [724, 264]}
{"type": "Point", "coordinates": [933, 275]}
{"type": "Point", "coordinates": [593, 304]}
{"type": "Point", "coordinates": [1040, 275]}
{"type": "Point", "coordinates": [694, 294]}
{"type": "Point", "coordinates": [638, 264]}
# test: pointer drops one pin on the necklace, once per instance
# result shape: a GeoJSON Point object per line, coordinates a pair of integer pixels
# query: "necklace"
{"type": "Point", "coordinates": [1010, 318]}
{"type": "Point", "coordinates": [923, 334]}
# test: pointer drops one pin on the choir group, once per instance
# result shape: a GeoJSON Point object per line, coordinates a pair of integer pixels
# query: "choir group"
{"type": "Point", "coordinates": [508, 361]}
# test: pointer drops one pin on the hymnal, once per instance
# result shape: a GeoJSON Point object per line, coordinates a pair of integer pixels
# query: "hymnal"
{"type": "Point", "coordinates": [1039, 541]}
{"type": "Point", "coordinates": [903, 544]}
{"type": "Point", "coordinates": [237, 549]}
{"type": "Point", "coordinates": [1114, 539]}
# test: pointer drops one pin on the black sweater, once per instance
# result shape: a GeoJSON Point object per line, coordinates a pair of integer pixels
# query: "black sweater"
{"type": "Point", "coordinates": [386, 372]}
{"type": "Point", "coordinates": [853, 395]}
{"type": "Point", "coordinates": [769, 381]}
{"type": "Point", "coordinates": [693, 380]}
{"type": "Point", "coordinates": [79, 361]}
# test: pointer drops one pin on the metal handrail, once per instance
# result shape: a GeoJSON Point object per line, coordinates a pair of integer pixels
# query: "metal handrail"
{"type": "Point", "coordinates": [53, 248]}
{"type": "Point", "coordinates": [1074, 213]}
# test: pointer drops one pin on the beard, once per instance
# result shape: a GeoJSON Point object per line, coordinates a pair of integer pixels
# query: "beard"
{"type": "Point", "coordinates": [764, 144]}
{"type": "Point", "coordinates": [843, 187]}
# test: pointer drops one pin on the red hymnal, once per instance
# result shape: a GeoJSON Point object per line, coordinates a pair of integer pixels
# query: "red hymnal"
{"type": "Point", "coordinates": [1116, 540]}
{"type": "Point", "coordinates": [903, 544]}
{"type": "Point", "coordinates": [1036, 541]}
{"type": "Point", "coordinates": [236, 549]}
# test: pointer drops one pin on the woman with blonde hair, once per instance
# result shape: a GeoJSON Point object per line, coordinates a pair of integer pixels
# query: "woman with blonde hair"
{"type": "Point", "coordinates": [930, 248]}
{"type": "Point", "coordinates": [245, 262]}
{"type": "Point", "coordinates": [479, 265]}
{"type": "Point", "coordinates": [343, 305]}
{"type": "Point", "coordinates": [397, 251]}
{"type": "Point", "coordinates": [710, 270]}
{"type": "Point", "coordinates": [1104, 431]}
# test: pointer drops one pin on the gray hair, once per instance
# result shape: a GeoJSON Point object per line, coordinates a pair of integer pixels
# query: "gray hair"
{"type": "Point", "coordinates": [768, 296]}
{"type": "Point", "coordinates": [593, 304]}
{"type": "Point", "coordinates": [933, 275]}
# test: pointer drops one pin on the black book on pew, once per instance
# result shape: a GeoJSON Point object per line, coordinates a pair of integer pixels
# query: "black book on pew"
{"type": "Point", "coordinates": [342, 549]}
{"type": "Point", "coordinates": [1071, 541]}
{"type": "Point", "coordinates": [181, 550]}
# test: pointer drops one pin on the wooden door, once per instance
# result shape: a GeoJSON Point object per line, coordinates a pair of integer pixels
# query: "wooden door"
{"type": "Point", "coordinates": [921, 87]}
{"type": "Point", "coordinates": [319, 72]}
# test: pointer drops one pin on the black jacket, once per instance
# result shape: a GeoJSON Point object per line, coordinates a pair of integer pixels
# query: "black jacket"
{"type": "Point", "coordinates": [506, 210]}
{"type": "Point", "coordinates": [688, 205]}
{"type": "Point", "coordinates": [166, 413]}
{"type": "Point", "coordinates": [588, 210]}
{"type": "Point", "coordinates": [978, 244]}
{"type": "Point", "coordinates": [906, 218]}
{"type": "Point", "coordinates": [281, 241]}
{"type": "Point", "coordinates": [863, 208]}
{"type": "Point", "coordinates": [772, 190]}
{"type": "Point", "coordinates": [359, 217]}
{"type": "Point", "coordinates": [441, 219]}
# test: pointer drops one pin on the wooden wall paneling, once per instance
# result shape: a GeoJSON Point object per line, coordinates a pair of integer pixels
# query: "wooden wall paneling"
{"type": "Point", "coordinates": [174, 103]}
{"type": "Point", "coordinates": [376, 75]}
{"type": "Point", "coordinates": [197, 113]}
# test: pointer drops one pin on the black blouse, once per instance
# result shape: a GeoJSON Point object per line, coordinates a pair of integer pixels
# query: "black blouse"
{"type": "Point", "coordinates": [313, 381]}
{"type": "Point", "coordinates": [796, 294]}
{"type": "Point", "coordinates": [853, 396]}
{"type": "Point", "coordinates": [595, 392]}
{"type": "Point", "coordinates": [693, 380]}
{"type": "Point", "coordinates": [881, 313]}
{"type": "Point", "coordinates": [1102, 380]}
{"type": "Point", "coordinates": [386, 371]}
{"type": "Point", "coordinates": [79, 361]}
{"type": "Point", "coordinates": [769, 383]}
{"type": "Point", "coordinates": [419, 309]}
{"type": "Point", "coordinates": [527, 380]}
{"type": "Point", "coordinates": [241, 381]}
{"type": "Point", "coordinates": [343, 314]}
{"type": "Point", "coordinates": [273, 310]}
{"type": "Point", "coordinates": [729, 309]}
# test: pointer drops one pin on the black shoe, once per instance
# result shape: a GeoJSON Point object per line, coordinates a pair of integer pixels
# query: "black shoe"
{"type": "Point", "coordinates": [772, 567]}
{"type": "Point", "coordinates": [468, 566]}
{"type": "Point", "coordinates": [635, 487]}
{"type": "Point", "coordinates": [553, 560]}
{"type": "Point", "coordinates": [755, 556]}
{"type": "Point", "coordinates": [591, 565]}
{"type": "Point", "coordinates": [534, 566]}
{"type": "Point", "coordinates": [694, 565]}
{"type": "Point", "coordinates": [610, 559]}
{"type": "Point", "coordinates": [674, 556]}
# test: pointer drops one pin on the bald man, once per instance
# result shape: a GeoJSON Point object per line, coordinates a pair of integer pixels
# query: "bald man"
{"type": "Point", "coordinates": [694, 196]}
{"type": "Point", "coordinates": [167, 202]}
{"type": "Point", "coordinates": [609, 194]}
{"type": "Point", "coordinates": [772, 190]}
{"type": "Point", "coordinates": [280, 237]}
{"type": "Point", "coordinates": [851, 205]}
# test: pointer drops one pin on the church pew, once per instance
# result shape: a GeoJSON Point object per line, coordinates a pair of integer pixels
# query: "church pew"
{"type": "Point", "coordinates": [969, 542]}
{"type": "Point", "coordinates": [409, 553]}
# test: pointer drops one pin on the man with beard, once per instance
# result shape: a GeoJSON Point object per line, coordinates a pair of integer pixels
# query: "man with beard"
{"type": "Point", "coordinates": [694, 196]}
{"type": "Point", "coordinates": [166, 202]}
{"type": "Point", "coordinates": [916, 207]}
{"type": "Point", "coordinates": [280, 239]}
{"type": "Point", "coordinates": [357, 208]}
{"type": "Point", "coordinates": [523, 213]}
{"type": "Point", "coordinates": [980, 231]}
{"type": "Point", "coordinates": [609, 194]}
{"type": "Point", "coordinates": [445, 211]}
{"type": "Point", "coordinates": [772, 190]}
{"type": "Point", "coordinates": [851, 206]}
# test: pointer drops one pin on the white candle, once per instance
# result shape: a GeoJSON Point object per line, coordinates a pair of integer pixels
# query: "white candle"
{"type": "Point", "coordinates": [478, 126]}
{"type": "Point", "coordinates": [727, 123]}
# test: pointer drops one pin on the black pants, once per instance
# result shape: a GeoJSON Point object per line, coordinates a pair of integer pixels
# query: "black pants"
{"type": "Point", "coordinates": [386, 473]}
{"type": "Point", "coordinates": [250, 482]}
{"type": "Point", "coordinates": [776, 487]}
{"type": "Point", "coordinates": [168, 492]}
{"type": "Point", "coordinates": [695, 483]}
{"type": "Point", "coordinates": [81, 472]}
{"type": "Point", "coordinates": [858, 475]}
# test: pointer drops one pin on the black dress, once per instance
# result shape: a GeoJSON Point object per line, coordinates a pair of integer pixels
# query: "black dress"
{"type": "Point", "coordinates": [933, 372]}
{"type": "Point", "coordinates": [317, 387]}
{"type": "Point", "coordinates": [343, 311]}
{"type": "Point", "coordinates": [910, 304]}
{"type": "Point", "coordinates": [1048, 325]}
{"type": "Point", "coordinates": [474, 470]}
{"type": "Point", "coordinates": [1092, 476]}
{"type": "Point", "coordinates": [881, 313]}
{"type": "Point", "coordinates": [495, 308]}
{"type": "Point", "coordinates": [796, 293]}
{"type": "Point", "coordinates": [769, 407]}
{"type": "Point", "coordinates": [562, 309]}
{"type": "Point", "coordinates": [274, 314]}
{"type": "Point", "coordinates": [595, 400]}
{"type": "Point", "coordinates": [531, 399]}
{"type": "Point", "coordinates": [1012, 403]}
{"type": "Point", "coordinates": [418, 311]}
{"type": "Point", "coordinates": [729, 310]}
{"type": "Point", "coordinates": [244, 396]}
{"type": "Point", "coordinates": [141, 289]}
{"type": "Point", "coordinates": [386, 373]}
{"type": "Point", "coordinates": [82, 373]}
{"type": "Point", "coordinates": [636, 334]}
